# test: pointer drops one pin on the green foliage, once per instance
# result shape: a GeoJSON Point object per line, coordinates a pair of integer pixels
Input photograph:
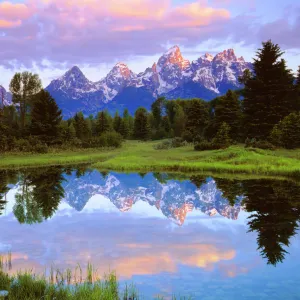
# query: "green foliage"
{"type": "Point", "coordinates": [142, 128]}
{"type": "Point", "coordinates": [205, 145]}
{"type": "Point", "coordinates": [179, 121]}
{"type": "Point", "coordinates": [197, 118]}
{"type": "Point", "coordinates": [45, 118]}
{"type": "Point", "coordinates": [267, 92]}
{"type": "Point", "coordinates": [222, 139]}
{"type": "Point", "coordinates": [106, 139]}
{"type": "Point", "coordinates": [81, 127]}
{"type": "Point", "coordinates": [103, 123]}
{"type": "Point", "coordinates": [287, 132]}
{"type": "Point", "coordinates": [117, 122]}
{"type": "Point", "coordinates": [228, 110]}
{"type": "Point", "coordinates": [168, 144]}
{"type": "Point", "coordinates": [24, 86]}
{"type": "Point", "coordinates": [156, 108]}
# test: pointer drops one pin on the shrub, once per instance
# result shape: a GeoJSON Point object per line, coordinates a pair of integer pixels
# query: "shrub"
{"type": "Point", "coordinates": [163, 145]}
{"type": "Point", "coordinates": [222, 139]}
{"type": "Point", "coordinates": [40, 148]}
{"type": "Point", "coordinates": [23, 145]}
{"type": "Point", "coordinates": [265, 145]}
{"type": "Point", "coordinates": [287, 132]}
{"type": "Point", "coordinates": [111, 139]}
{"type": "Point", "coordinates": [205, 145]}
{"type": "Point", "coordinates": [174, 143]}
{"type": "Point", "coordinates": [259, 144]}
{"type": "Point", "coordinates": [188, 136]}
{"type": "Point", "coordinates": [178, 142]}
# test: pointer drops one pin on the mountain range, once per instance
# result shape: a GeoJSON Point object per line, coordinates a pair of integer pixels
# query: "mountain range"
{"type": "Point", "coordinates": [175, 199]}
{"type": "Point", "coordinates": [172, 76]}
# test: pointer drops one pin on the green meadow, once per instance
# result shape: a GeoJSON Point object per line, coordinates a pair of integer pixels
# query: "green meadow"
{"type": "Point", "coordinates": [142, 157]}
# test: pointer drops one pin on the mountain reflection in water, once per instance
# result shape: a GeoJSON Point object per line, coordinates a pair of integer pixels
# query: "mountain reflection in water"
{"type": "Point", "coordinates": [124, 221]}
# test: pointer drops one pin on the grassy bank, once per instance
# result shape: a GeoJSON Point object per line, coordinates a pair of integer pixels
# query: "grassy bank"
{"type": "Point", "coordinates": [142, 157]}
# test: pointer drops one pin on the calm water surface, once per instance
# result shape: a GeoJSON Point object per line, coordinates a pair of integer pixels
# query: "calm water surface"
{"type": "Point", "coordinates": [209, 238]}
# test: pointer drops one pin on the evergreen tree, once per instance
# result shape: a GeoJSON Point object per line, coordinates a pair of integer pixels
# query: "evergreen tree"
{"type": "Point", "coordinates": [166, 125]}
{"type": "Point", "coordinates": [124, 126]}
{"type": "Point", "coordinates": [81, 126]}
{"type": "Point", "coordinates": [287, 132]}
{"type": "Point", "coordinates": [267, 92]}
{"type": "Point", "coordinates": [179, 121]}
{"type": "Point", "coordinates": [102, 123]}
{"type": "Point", "coordinates": [24, 86]}
{"type": "Point", "coordinates": [222, 139]}
{"type": "Point", "coordinates": [117, 122]}
{"type": "Point", "coordinates": [141, 128]}
{"type": "Point", "coordinates": [3, 130]}
{"type": "Point", "coordinates": [197, 117]}
{"type": "Point", "coordinates": [156, 108]}
{"type": "Point", "coordinates": [228, 110]}
{"type": "Point", "coordinates": [45, 118]}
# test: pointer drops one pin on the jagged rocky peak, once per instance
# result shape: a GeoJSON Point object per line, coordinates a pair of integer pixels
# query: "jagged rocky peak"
{"type": "Point", "coordinates": [75, 76]}
{"type": "Point", "coordinates": [154, 66]}
{"type": "Point", "coordinates": [227, 55]}
{"type": "Point", "coordinates": [173, 56]}
{"type": "Point", "coordinates": [122, 70]}
{"type": "Point", "coordinates": [208, 57]}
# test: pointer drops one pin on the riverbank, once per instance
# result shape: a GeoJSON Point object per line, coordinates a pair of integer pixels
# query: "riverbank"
{"type": "Point", "coordinates": [142, 157]}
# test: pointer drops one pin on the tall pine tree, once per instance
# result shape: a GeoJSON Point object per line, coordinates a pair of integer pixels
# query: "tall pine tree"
{"type": "Point", "coordinates": [45, 118]}
{"type": "Point", "coordinates": [102, 122]}
{"type": "Point", "coordinates": [267, 92]}
{"type": "Point", "coordinates": [142, 128]}
{"type": "Point", "coordinates": [228, 110]}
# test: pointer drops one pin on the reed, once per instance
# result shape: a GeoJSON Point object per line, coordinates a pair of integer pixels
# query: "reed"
{"type": "Point", "coordinates": [60, 285]}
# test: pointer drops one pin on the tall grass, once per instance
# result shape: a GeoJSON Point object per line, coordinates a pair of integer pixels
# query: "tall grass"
{"type": "Point", "coordinates": [67, 285]}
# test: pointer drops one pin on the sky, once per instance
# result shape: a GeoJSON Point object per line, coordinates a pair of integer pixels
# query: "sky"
{"type": "Point", "coordinates": [50, 36]}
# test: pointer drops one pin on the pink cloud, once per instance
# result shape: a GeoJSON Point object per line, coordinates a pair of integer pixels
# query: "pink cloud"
{"type": "Point", "coordinates": [12, 15]}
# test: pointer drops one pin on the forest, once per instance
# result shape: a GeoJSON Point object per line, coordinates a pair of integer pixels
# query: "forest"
{"type": "Point", "coordinates": [265, 114]}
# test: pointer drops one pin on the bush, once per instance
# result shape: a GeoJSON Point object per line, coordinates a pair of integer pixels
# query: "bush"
{"type": "Point", "coordinates": [265, 145]}
{"type": "Point", "coordinates": [40, 148]}
{"type": "Point", "coordinates": [23, 145]}
{"type": "Point", "coordinates": [106, 139]}
{"type": "Point", "coordinates": [205, 145]}
{"type": "Point", "coordinates": [178, 142]}
{"type": "Point", "coordinates": [222, 139]}
{"type": "Point", "coordinates": [259, 144]}
{"type": "Point", "coordinates": [113, 139]}
{"type": "Point", "coordinates": [287, 132]}
{"type": "Point", "coordinates": [188, 136]}
{"type": "Point", "coordinates": [163, 145]}
{"type": "Point", "coordinates": [174, 143]}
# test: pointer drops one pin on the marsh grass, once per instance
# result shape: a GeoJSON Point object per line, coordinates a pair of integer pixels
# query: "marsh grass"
{"type": "Point", "coordinates": [67, 285]}
{"type": "Point", "coordinates": [141, 156]}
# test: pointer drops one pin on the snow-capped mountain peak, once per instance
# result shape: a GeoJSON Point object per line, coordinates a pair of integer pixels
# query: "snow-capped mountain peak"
{"type": "Point", "coordinates": [226, 55]}
{"type": "Point", "coordinates": [208, 57]}
{"type": "Point", "coordinates": [73, 79]}
{"type": "Point", "coordinates": [172, 76]}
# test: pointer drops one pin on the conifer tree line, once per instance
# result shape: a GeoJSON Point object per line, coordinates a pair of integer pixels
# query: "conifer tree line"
{"type": "Point", "coordinates": [265, 113]}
